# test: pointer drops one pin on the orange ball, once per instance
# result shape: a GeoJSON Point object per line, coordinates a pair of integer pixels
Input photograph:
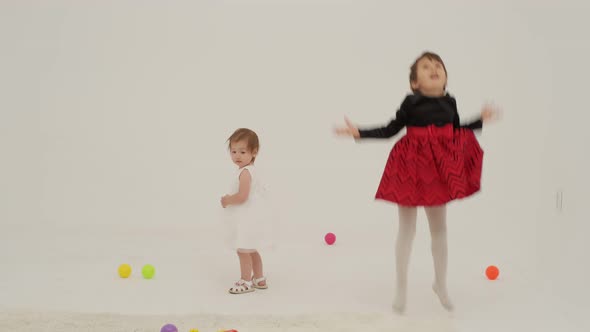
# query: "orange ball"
{"type": "Point", "coordinates": [492, 272]}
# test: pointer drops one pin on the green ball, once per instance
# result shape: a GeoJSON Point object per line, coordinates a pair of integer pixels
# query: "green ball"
{"type": "Point", "coordinates": [148, 271]}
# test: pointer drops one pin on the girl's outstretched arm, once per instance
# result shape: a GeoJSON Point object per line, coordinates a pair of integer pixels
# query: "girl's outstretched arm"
{"type": "Point", "coordinates": [391, 129]}
{"type": "Point", "coordinates": [387, 131]}
{"type": "Point", "coordinates": [349, 130]}
{"type": "Point", "coordinates": [489, 113]}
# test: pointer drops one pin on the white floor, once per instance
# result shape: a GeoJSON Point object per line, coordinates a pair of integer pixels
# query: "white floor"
{"type": "Point", "coordinates": [71, 273]}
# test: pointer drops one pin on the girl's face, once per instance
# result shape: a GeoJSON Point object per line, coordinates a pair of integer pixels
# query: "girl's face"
{"type": "Point", "coordinates": [431, 78]}
{"type": "Point", "coordinates": [241, 155]}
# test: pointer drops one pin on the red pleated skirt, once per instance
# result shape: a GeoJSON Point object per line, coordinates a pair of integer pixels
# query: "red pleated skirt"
{"type": "Point", "coordinates": [431, 166]}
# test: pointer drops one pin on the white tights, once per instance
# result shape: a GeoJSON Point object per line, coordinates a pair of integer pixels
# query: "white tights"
{"type": "Point", "coordinates": [407, 231]}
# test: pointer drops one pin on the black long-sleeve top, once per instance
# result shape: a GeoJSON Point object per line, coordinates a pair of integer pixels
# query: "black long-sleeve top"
{"type": "Point", "coordinates": [421, 111]}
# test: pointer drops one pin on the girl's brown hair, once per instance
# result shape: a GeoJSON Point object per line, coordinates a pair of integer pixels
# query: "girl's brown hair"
{"type": "Point", "coordinates": [414, 68]}
{"type": "Point", "coordinates": [247, 135]}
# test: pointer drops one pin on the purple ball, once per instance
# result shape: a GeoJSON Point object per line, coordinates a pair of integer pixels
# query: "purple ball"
{"type": "Point", "coordinates": [169, 328]}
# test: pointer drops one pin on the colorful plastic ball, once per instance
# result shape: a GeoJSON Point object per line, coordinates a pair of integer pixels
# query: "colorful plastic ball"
{"type": "Point", "coordinates": [330, 238]}
{"type": "Point", "coordinates": [492, 272]}
{"type": "Point", "coordinates": [148, 271]}
{"type": "Point", "coordinates": [169, 328]}
{"type": "Point", "coordinates": [124, 271]}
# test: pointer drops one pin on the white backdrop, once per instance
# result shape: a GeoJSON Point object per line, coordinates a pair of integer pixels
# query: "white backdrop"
{"type": "Point", "coordinates": [114, 114]}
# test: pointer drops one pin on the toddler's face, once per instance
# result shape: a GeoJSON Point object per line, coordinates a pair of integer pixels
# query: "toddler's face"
{"type": "Point", "coordinates": [241, 155]}
{"type": "Point", "coordinates": [431, 78]}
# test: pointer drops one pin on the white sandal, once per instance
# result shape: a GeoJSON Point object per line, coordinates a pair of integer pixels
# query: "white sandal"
{"type": "Point", "coordinates": [256, 282]}
{"type": "Point", "coordinates": [242, 286]}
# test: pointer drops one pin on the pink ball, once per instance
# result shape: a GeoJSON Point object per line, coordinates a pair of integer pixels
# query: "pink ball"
{"type": "Point", "coordinates": [330, 238]}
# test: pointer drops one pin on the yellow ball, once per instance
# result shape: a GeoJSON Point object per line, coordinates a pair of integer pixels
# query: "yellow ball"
{"type": "Point", "coordinates": [124, 271]}
{"type": "Point", "coordinates": [194, 330]}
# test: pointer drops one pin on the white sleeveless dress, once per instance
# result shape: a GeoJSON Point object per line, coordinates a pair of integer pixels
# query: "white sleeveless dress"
{"type": "Point", "coordinates": [249, 224]}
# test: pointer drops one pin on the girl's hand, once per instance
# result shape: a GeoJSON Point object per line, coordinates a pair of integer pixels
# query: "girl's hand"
{"type": "Point", "coordinates": [489, 113]}
{"type": "Point", "coordinates": [225, 201]}
{"type": "Point", "coordinates": [349, 130]}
